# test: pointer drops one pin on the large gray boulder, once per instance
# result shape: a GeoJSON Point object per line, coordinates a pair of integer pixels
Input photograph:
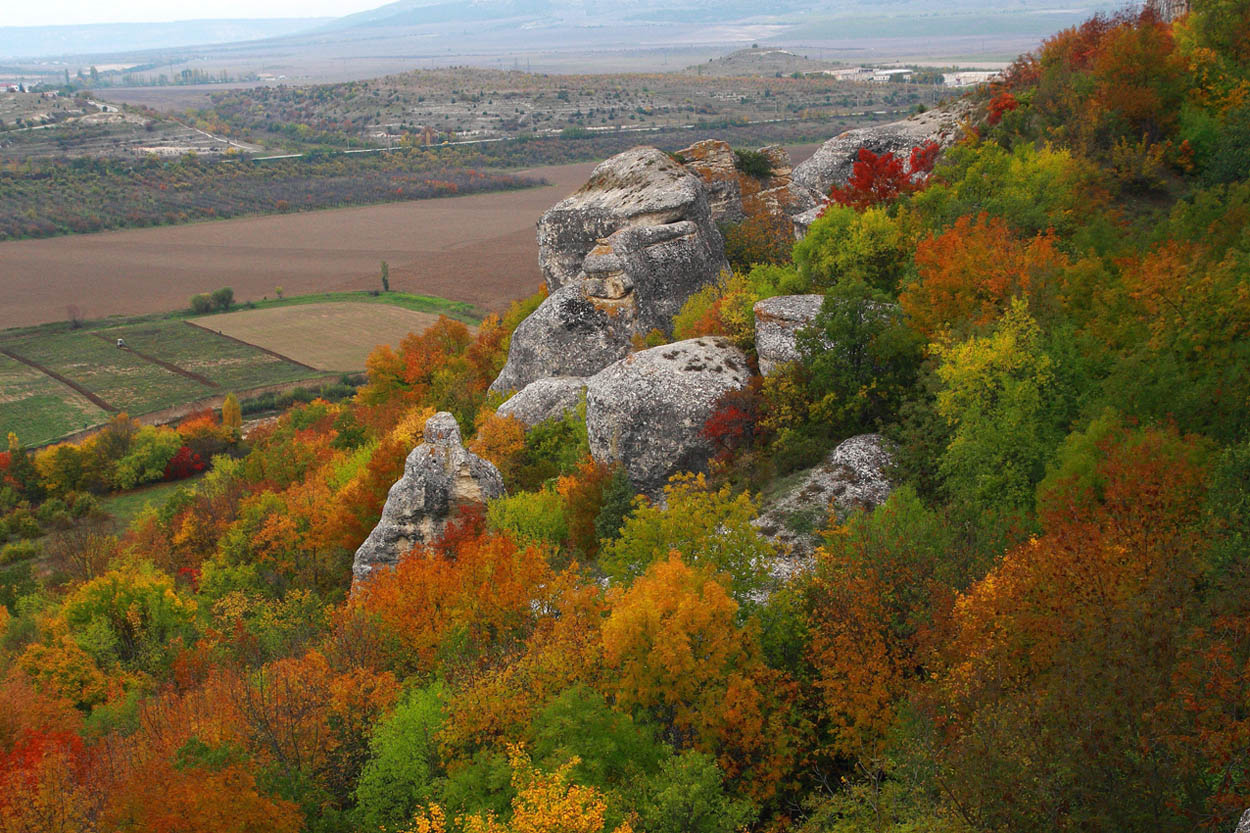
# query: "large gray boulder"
{"type": "Point", "coordinates": [440, 477]}
{"type": "Point", "coordinates": [777, 323]}
{"type": "Point", "coordinates": [621, 256]}
{"type": "Point", "coordinates": [852, 477]}
{"type": "Point", "coordinates": [640, 187]}
{"type": "Point", "coordinates": [833, 162]}
{"type": "Point", "coordinates": [647, 411]}
{"type": "Point", "coordinates": [544, 399]}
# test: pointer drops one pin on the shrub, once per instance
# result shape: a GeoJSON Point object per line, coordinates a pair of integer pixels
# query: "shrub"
{"type": "Point", "coordinates": [530, 517]}
{"type": "Point", "coordinates": [19, 551]}
{"type": "Point", "coordinates": [223, 298]}
{"type": "Point", "coordinates": [201, 304]}
{"type": "Point", "coordinates": [753, 163]}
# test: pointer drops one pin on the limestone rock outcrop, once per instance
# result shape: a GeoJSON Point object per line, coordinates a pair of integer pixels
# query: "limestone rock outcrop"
{"type": "Point", "coordinates": [544, 399]}
{"type": "Point", "coordinates": [440, 477]}
{"type": "Point", "coordinates": [777, 323]}
{"type": "Point", "coordinates": [852, 477]}
{"type": "Point", "coordinates": [833, 161]}
{"type": "Point", "coordinates": [640, 187]}
{"type": "Point", "coordinates": [713, 162]}
{"type": "Point", "coordinates": [647, 410]}
{"type": "Point", "coordinates": [733, 195]}
{"type": "Point", "coordinates": [621, 256]}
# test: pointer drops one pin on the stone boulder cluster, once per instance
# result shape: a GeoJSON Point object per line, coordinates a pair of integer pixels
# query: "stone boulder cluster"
{"type": "Point", "coordinates": [620, 258]}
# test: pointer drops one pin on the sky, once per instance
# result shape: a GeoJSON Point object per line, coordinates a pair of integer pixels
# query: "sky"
{"type": "Point", "coordinates": [71, 12]}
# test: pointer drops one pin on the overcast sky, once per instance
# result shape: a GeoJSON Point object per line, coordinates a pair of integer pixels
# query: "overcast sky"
{"type": "Point", "coordinates": [67, 12]}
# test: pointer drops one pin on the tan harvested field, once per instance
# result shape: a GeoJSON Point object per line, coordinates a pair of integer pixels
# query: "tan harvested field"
{"type": "Point", "coordinates": [480, 249]}
{"type": "Point", "coordinates": [331, 336]}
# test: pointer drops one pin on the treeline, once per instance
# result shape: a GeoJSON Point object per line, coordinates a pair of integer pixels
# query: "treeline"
{"type": "Point", "coordinates": [1045, 627]}
{"type": "Point", "coordinates": [46, 198]}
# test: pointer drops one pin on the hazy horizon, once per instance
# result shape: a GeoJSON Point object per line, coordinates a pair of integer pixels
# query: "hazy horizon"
{"type": "Point", "coordinates": [83, 13]}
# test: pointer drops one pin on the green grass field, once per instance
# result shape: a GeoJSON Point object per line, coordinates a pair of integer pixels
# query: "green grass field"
{"type": "Point", "coordinates": [122, 379]}
{"type": "Point", "coordinates": [124, 507]}
{"type": "Point", "coordinates": [227, 363]}
{"type": "Point", "coordinates": [171, 362]}
{"type": "Point", "coordinates": [38, 408]}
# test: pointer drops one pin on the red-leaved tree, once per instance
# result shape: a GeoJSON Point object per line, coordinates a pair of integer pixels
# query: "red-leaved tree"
{"type": "Point", "coordinates": [878, 179]}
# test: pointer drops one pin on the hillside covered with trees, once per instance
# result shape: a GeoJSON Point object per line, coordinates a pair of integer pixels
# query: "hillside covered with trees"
{"type": "Point", "coordinates": [1045, 627]}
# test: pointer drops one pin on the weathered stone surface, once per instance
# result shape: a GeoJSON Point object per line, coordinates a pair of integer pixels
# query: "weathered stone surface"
{"type": "Point", "coordinates": [734, 195]}
{"type": "Point", "coordinates": [640, 187]}
{"type": "Point", "coordinates": [834, 160]}
{"type": "Point", "coordinates": [853, 476]}
{"type": "Point", "coordinates": [713, 162]}
{"type": "Point", "coordinates": [647, 411]}
{"type": "Point", "coordinates": [777, 322]}
{"type": "Point", "coordinates": [544, 399]}
{"type": "Point", "coordinates": [572, 333]}
{"type": "Point", "coordinates": [804, 219]}
{"type": "Point", "coordinates": [660, 247]}
{"type": "Point", "coordinates": [440, 477]}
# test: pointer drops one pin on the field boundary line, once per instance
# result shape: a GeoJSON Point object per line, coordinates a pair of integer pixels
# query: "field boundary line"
{"type": "Point", "coordinates": [69, 383]}
{"type": "Point", "coordinates": [170, 366]}
{"type": "Point", "coordinates": [220, 334]}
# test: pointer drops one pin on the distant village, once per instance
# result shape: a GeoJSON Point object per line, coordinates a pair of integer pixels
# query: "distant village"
{"type": "Point", "coordinates": [879, 75]}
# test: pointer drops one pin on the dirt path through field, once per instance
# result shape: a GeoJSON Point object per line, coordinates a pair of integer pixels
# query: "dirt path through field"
{"type": "Point", "coordinates": [479, 248]}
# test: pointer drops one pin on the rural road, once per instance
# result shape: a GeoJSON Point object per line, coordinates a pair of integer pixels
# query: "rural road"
{"type": "Point", "coordinates": [479, 248]}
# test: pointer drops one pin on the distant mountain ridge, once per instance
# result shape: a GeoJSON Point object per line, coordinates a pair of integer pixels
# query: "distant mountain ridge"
{"type": "Point", "coordinates": [46, 41]}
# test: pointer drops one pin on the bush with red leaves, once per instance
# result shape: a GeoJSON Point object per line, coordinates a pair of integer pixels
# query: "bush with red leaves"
{"type": "Point", "coordinates": [878, 179]}
{"type": "Point", "coordinates": [184, 464]}
{"type": "Point", "coordinates": [1000, 105]}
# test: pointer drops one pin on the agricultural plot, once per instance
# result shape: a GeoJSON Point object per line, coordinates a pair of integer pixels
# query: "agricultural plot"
{"type": "Point", "coordinates": [331, 336]}
{"type": "Point", "coordinates": [119, 378]}
{"type": "Point", "coordinates": [224, 362]}
{"type": "Point", "coordinates": [38, 408]}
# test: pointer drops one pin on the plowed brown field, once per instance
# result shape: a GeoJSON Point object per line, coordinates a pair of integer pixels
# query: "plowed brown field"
{"type": "Point", "coordinates": [480, 249]}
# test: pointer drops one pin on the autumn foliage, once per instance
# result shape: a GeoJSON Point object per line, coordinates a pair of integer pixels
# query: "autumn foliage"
{"type": "Point", "coordinates": [1042, 624]}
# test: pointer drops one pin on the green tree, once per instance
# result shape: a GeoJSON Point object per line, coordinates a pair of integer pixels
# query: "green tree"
{"type": "Point", "coordinates": [386, 277]}
{"type": "Point", "coordinates": [150, 451]}
{"type": "Point", "coordinates": [862, 359]}
{"type": "Point", "coordinates": [708, 527]}
{"type": "Point", "coordinates": [223, 298]}
{"type": "Point", "coordinates": [846, 246]}
{"type": "Point", "coordinates": [995, 396]}
{"type": "Point", "coordinates": [399, 777]}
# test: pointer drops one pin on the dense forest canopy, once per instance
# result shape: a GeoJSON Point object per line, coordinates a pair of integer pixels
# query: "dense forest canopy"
{"type": "Point", "coordinates": [1045, 627]}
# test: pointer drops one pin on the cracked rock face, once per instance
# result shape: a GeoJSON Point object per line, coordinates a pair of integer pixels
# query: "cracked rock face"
{"type": "Point", "coordinates": [647, 410]}
{"type": "Point", "coordinates": [852, 477]}
{"type": "Point", "coordinates": [834, 161]}
{"type": "Point", "coordinates": [777, 323]}
{"type": "Point", "coordinates": [544, 399]}
{"type": "Point", "coordinates": [440, 477]}
{"type": "Point", "coordinates": [621, 256]}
